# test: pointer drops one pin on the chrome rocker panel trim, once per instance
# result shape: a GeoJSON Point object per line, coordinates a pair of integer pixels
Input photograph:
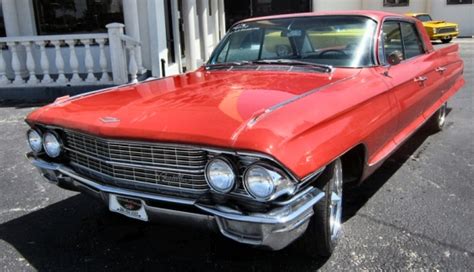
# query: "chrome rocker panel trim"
{"type": "Point", "coordinates": [274, 230]}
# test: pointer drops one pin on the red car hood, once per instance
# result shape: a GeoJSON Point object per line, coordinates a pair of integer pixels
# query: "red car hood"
{"type": "Point", "coordinates": [206, 108]}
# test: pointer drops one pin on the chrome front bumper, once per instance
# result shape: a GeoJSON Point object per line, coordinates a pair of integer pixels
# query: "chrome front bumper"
{"type": "Point", "coordinates": [274, 230]}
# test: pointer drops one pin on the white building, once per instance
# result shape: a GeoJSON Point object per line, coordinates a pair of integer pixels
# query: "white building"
{"type": "Point", "coordinates": [459, 11]}
{"type": "Point", "coordinates": [95, 43]}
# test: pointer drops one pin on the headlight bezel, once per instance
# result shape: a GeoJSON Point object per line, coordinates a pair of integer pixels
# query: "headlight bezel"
{"type": "Point", "coordinates": [232, 168]}
{"type": "Point", "coordinates": [58, 140]}
{"type": "Point", "coordinates": [282, 183]}
{"type": "Point", "coordinates": [41, 148]}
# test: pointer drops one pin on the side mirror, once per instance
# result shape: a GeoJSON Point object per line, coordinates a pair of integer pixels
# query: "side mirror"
{"type": "Point", "coordinates": [395, 58]}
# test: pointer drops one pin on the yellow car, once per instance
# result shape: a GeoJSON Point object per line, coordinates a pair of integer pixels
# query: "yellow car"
{"type": "Point", "coordinates": [437, 30]}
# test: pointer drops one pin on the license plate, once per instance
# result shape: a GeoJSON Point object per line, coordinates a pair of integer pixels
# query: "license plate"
{"type": "Point", "coordinates": [130, 207]}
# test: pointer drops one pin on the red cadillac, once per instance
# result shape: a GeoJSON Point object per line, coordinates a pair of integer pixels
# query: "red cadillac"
{"type": "Point", "coordinates": [259, 141]}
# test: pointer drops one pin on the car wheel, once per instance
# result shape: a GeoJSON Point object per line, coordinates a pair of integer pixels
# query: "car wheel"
{"type": "Point", "coordinates": [324, 228]}
{"type": "Point", "coordinates": [437, 122]}
{"type": "Point", "coordinates": [447, 40]}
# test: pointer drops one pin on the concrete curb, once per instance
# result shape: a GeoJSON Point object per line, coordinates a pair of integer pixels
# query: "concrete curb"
{"type": "Point", "coordinates": [42, 94]}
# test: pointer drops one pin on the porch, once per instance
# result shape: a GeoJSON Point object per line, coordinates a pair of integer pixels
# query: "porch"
{"type": "Point", "coordinates": [68, 60]}
{"type": "Point", "coordinates": [142, 38]}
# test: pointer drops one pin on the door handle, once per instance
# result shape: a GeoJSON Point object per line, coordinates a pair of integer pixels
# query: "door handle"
{"type": "Point", "coordinates": [441, 69]}
{"type": "Point", "coordinates": [421, 79]}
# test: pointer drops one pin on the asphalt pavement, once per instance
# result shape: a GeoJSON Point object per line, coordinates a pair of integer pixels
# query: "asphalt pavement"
{"type": "Point", "coordinates": [415, 213]}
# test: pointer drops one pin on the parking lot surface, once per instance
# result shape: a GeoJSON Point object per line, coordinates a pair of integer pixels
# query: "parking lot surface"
{"type": "Point", "coordinates": [416, 212]}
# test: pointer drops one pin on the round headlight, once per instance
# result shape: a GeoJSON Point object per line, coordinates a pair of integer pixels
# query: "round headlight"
{"type": "Point", "coordinates": [35, 141]}
{"type": "Point", "coordinates": [266, 183]}
{"type": "Point", "coordinates": [220, 175]}
{"type": "Point", "coordinates": [51, 145]}
{"type": "Point", "coordinates": [259, 182]}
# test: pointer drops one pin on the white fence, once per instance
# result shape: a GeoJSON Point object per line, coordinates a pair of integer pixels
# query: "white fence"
{"type": "Point", "coordinates": [61, 60]}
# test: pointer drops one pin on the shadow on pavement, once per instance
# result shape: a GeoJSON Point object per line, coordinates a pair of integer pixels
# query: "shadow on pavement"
{"type": "Point", "coordinates": [80, 234]}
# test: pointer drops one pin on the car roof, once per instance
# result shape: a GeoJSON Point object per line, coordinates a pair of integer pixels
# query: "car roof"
{"type": "Point", "coordinates": [374, 14]}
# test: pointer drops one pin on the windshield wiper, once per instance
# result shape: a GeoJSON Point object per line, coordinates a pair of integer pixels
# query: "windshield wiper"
{"type": "Point", "coordinates": [323, 67]}
{"type": "Point", "coordinates": [229, 64]}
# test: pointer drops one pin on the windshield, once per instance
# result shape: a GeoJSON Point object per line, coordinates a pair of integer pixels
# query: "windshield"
{"type": "Point", "coordinates": [339, 41]}
{"type": "Point", "coordinates": [424, 18]}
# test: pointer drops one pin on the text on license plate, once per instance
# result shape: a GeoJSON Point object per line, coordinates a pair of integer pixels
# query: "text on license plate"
{"type": "Point", "coordinates": [130, 207]}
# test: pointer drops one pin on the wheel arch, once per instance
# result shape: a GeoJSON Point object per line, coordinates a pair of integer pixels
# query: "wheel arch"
{"type": "Point", "coordinates": [353, 163]}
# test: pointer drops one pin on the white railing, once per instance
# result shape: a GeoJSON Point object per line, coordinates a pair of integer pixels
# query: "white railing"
{"type": "Point", "coordinates": [61, 60]}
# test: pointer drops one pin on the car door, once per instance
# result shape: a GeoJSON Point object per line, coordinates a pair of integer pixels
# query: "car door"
{"type": "Point", "coordinates": [449, 67]}
{"type": "Point", "coordinates": [409, 80]}
{"type": "Point", "coordinates": [413, 45]}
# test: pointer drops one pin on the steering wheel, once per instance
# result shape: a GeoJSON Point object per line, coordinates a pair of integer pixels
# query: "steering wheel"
{"type": "Point", "coordinates": [338, 51]}
{"type": "Point", "coordinates": [282, 50]}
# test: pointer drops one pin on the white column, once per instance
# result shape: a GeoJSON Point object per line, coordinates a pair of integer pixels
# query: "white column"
{"type": "Point", "coordinates": [10, 17]}
{"type": "Point", "coordinates": [215, 20]}
{"type": "Point", "coordinates": [176, 34]}
{"type": "Point", "coordinates": [132, 26]}
{"type": "Point", "coordinates": [117, 53]}
{"type": "Point", "coordinates": [157, 28]}
{"type": "Point", "coordinates": [26, 13]}
{"type": "Point", "coordinates": [191, 32]}
{"type": "Point", "coordinates": [203, 8]}
{"type": "Point", "coordinates": [143, 7]}
{"type": "Point", "coordinates": [222, 26]}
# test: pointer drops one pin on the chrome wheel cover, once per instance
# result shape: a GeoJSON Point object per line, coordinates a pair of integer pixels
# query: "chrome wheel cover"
{"type": "Point", "coordinates": [442, 116]}
{"type": "Point", "coordinates": [335, 208]}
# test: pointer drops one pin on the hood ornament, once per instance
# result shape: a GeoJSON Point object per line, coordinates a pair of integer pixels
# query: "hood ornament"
{"type": "Point", "coordinates": [109, 120]}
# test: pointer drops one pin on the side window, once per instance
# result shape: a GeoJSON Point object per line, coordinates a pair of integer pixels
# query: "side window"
{"type": "Point", "coordinates": [392, 38]}
{"type": "Point", "coordinates": [411, 40]}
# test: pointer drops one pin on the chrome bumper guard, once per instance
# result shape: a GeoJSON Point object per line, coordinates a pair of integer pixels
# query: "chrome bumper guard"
{"type": "Point", "coordinates": [274, 230]}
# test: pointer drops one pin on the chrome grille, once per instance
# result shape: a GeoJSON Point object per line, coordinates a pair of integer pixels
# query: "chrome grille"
{"type": "Point", "coordinates": [137, 163]}
{"type": "Point", "coordinates": [446, 30]}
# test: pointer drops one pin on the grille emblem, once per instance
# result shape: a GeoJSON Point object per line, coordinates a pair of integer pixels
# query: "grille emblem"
{"type": "Point", "coordinates": [109, 120]}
